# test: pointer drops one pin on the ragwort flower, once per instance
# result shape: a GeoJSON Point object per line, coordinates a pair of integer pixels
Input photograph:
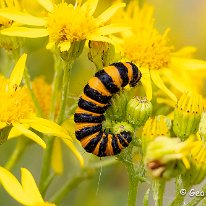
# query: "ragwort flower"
{"type": "Point", "coordinates": [9, 43]}
{"type": "Point", "coordinates": [167, 157]}
{"type": "Point", "coordinates": [197, 171]}
{"type": "Point", "coordinates": [151, 51]}
{"type": "Point", "coordinates": [17, 111]}
{"type": "Point", "coordinates": [65, 23]}
{"type": "Point", "coordinates": [26, 192]}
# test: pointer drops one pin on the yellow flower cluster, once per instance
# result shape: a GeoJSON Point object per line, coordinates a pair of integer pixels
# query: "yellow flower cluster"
{"type": "Point", "coordinates": [164, 113]}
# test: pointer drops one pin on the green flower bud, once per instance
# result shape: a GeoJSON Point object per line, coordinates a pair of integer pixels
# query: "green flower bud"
{"type": "Point", "coordinates": [167, 157]}
{"type": "Point", "coordinates": [197, 171]}
{"type": "Point", "coordinates": [74, 51]}
{"type": "Point", "coordinates": [158, 126]}
{"type": "Point", "coordinates": [187, 114]}
{"type": "Point", "coordinates": [101, 53]}
{"type": "Point", "coordinates": [138, 111]}
{"type": "Point", "coordinates": [4, 133]}
{"type": "Point", "coordinates": [122, 126]}
{"type": "Point", "coordinates": [202, 126]}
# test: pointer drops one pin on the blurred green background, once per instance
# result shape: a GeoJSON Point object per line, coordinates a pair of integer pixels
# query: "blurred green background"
{"type": "Point", "coordinates": [186, 18]}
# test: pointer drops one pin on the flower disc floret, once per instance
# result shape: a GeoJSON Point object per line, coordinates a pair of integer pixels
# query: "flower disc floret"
{"type": "Point", "coordinates": [67, 23]}
{"type": "Point", "coordinates": [14, 105]}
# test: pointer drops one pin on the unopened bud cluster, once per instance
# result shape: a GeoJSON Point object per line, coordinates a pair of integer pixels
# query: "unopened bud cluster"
{"type": "Point", "coordinates": [138, 111]}
{"type": "Point", "coordinates": [187, 114]}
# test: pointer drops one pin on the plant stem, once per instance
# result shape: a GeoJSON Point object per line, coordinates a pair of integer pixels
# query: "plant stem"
{"type": "Point", "coordinates": [71, 184]}
{"type": "Point", "coordinates": [29, 86]}
{"type": "Point", "coordinates": [66, 80]}
{"type": "Point", "coordinates": [126, 158]}
{"type": "Point", "coordinates": [47, 182]}
{"type": "Point", "coordinates": [48, 152]}
{"type": "Point", "coordinates": [46, 166]}
{"type": "Point", "coordinates": [158, 191]}
{"type": "Point", "coordinates": [198, 199]}
{"type": "Point", "coordinates": [146, 198]}
{"type": "Point", "coordinates": [44, 179]}
{"type": "Point", "coordinates": [133, 184]}
{"type": "Point", "coordinates": [17, 153]}
{"type": "Point", "coordinates": [179, 198]}
{"type": "Point", "coordinates": [55, 87]}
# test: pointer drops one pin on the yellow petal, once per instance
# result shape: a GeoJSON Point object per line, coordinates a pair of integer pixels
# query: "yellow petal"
{"type": "Point", "coordinates": [64, 46]}
{"type": "Point", "coordinates": [57, 161]}
{"type": "Point", "coordinates": [159, 83]}
{"type": "Point", "coordinates": [146, 82]}
{"type": "Point", "coordinates": [90, 6]}
{"type": "Point", "coordinates": [75, 151]}
{"type": "Point", "coordinates": [25, 32]}
{"type": "Point", "coordinates": [188, 63]}
{"type": "Point", "coordinates": [17, 73]}
{"type": "Point", "coordinates": [13, 187]}
{"type": "Point", "coordinates": [31, 135]}
{"type": "Point", "coordinates": [21, 17]}
{"type": "Point", "coordinates": [29, 186]}
{"type": "Point", "coordinates": [112, 28]}
{"type": "Point", "coordinates": [69, 125]}
{"type": "Point", "coordinates": [47, 4]}
{"type": "Point", "coordinates": [47, 127]}
{"type": "Point", "coordinates": [187, 52]}
{"type": "Point", "coordinates": [166, 101]}
{"type": "Point", "coordinates": [106, 15]}
{"type": "Point", "coordinates": [14, 133]}
{"type": "Point", "coordinates": [176, 80]}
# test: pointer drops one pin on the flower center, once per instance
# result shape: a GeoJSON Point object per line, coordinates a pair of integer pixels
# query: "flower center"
{"type": "Point", "coordinates": [69, 23]}
{"type": "Point", "coordinates": [14, 105]}
{"type": "Point", "coordinates": [147, 48]}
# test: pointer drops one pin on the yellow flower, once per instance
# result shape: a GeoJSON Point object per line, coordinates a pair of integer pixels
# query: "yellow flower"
{"type": "Point", "coordinates": [165, 155]}
{"type": "Point", "coordinates": [8, 43]}
{"type": "Point", "coordinates": [157, 126]}
{"type": "Point", "coordinates": [151, 51]}
{"type": "Point", "coordinates": [26, 192]}
{"type": "Point", "coordinates": [197, 171]}
{"type": "Point", "coordinates": [16, 110]}
{"type": "Point", "coordinates": [183, 70]}
{"type": "Point", "coordinates": [65, 23]}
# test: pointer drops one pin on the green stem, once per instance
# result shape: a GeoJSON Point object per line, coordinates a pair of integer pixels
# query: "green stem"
{"type": "Point", "coordinates": [71, 184]}
{"type": "Point", "coordinates": [198, 199]}
{"type": "Point", "coordinates": [158, 191]}
{"type": "Point", "coordinates": [46, 166]}
{"type": "Point", "coordinates": [66, 80]}
{"type": "Point", "coordinates": [29, 86]}
{"type": "Point", "coordinates": [126, 158]}
{"type": "Point", "coordinates": [179, 198]}
{"type": "Point", "coordinates": [146, 198]}
{"type": "Point", "coordinates": [17, 153]}
{"type": "Point", "coordinates": [47, 182]}
{"type": "Point", "coordinates": [44, 179]}
{"type": "Point", "coordinates": [55, 87]}
{"type": "Point", "coordinates": [48, 152]}
{"type": "Point", "coordinates": [133, 184]}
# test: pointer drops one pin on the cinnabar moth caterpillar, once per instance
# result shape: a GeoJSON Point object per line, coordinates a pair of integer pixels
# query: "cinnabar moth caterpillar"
{"type": "Point", "coordinates": [94, 102]}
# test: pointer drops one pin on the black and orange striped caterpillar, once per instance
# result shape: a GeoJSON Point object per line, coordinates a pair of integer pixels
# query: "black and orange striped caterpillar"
{"type": "Point", "coordinates": [94, 102]}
